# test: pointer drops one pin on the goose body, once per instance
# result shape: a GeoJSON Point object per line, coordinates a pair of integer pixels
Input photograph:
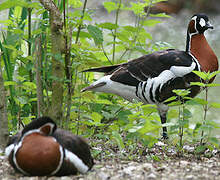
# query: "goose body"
{"type": "Point", "coordinates": [43, 150]}
{"type": "Point", "coordinates": [153, 77]}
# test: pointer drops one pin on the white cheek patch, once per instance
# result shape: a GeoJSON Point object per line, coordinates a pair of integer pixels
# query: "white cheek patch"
{"type": "Point", "coordinates": [202, 22]}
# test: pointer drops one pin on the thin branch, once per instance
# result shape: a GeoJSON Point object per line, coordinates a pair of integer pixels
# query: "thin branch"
{"type": "Point", "coordinates": [205, 107]}
{"type": "Point", "coordinates": [40, 103]}
{"type": "Point", "coordinates": [115, 31]}
{"type": "Point", "coordinates": [106, 55]}
{"type": "Point", "coordinates": [80, 26]}
{"type": "Point", "coordinates": [123, 54]}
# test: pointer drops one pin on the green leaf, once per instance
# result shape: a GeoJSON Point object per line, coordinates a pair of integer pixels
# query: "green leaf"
{"type": "Point", "coordinates": [213, 74]}
{"type": "Point", "coordinates": [10, 47]}
{"type": "Point", "coordinates": [110, 6]}
{"type": "Point", "coordinates": [186, 113]}
{"type": "Point", "coordinates": [30, 85]}
{"type": "Point", "coordinates": [173, 98]}
{"type": "Point", "coordinates": [198, 84]}
{"type": "Point", "coordinates": [137, 8]}
{"type": "Point", "coordinates": [96, 34]}
{"type": "Point", "coordinates": [117, 137]}
{"type": "Point", "coordinates": [215, 105]}
{"type": "Point", "coordinates": [32, 99]}
{"type": "Point", "coordinates": [199, 101]}
{"type": "Point", "coordinates": [181, 92]}
{"type": "Point", "coordinates": [202, 75]}
{"type": "Point", "coordinates": [103, 101]}
{"type": "Point", "coordinates": [151, 22]}
{"type": "Point", "coordinates": [130, 28]}
{"type": "Point", "coordinates": [213, 140]}
{"type": "Point", "coordinates": [212, 85]}
{"type": "Point", "coordinates": [108, 25]}
{"type": "Point", "coordinates": [200, 149]}
{"type": "Point", "coordinates": [17, 11]}
{"type": "Point", "coordinates": [96, 117]}
{"type": "Point", "coordinates": [135, 129]}
{"type": "Point", "coordinates": [9, 83]}
{"type": "Point", "coordinates": [160, 15]}
{"type": "Point", "coordinates": [75, 3]}
{"type": "Point", "coordinates": [13, 3]}
{"type": "Point", "coordinates": [82, 34]}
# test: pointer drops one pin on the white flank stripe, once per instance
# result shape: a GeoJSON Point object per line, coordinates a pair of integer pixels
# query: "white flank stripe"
{"type": "Point", "coordinates": [78, 163]}
{"type": "Point", "coordinates": [163, 78]}
{"type": "Point", "coordinates": [180, 71]}
{"type": "Point", "coordinates": [14, 158]}
{"type": "Point", "coordinates": [160, 80]}
{"type": "Point", "coordinates": [125, 91]}
{"type": "Point", "coordinates": [8, 149]}
{"type": "Point", "coordinates": [61, 161]}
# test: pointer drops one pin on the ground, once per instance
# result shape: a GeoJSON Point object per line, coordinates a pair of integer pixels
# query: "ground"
{"type": "Point", "coordinates": [156, 163]}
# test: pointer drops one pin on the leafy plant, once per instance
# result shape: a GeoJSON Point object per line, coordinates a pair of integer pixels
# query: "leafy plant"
{"type": "Point", "coordinates": [206, 126]}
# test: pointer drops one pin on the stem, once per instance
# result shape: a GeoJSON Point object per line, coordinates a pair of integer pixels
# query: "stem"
{"type": "Point", "coordinates": [67, 41]}
{"type": "Point", "coordinates": [139, 25]}
{"type": "Point", "coordinates": [29, 41]}
{"type": "Point", "coordinates": [79, 114]}
{"type": "Point", "coordinates": [205, 107]}
{"type": "Point", "coordinates": [106, 54]}
{"type": "Point", "coordinates": [181, 119]}
{"type": "Point", "coordinates": [122, 55]}
{"type": "Point", "coordinates": [38, 54]}
{"type": "Point", "coordinates": [115, 31]}
{"type": "Point", "coordinates": [80, 26]}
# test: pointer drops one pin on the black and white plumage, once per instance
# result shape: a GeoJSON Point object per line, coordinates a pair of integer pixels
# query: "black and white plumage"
{"type": "Point", "coordinates": [153, 77]}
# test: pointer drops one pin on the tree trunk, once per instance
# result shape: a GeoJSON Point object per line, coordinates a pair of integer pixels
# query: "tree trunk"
{"type": "Point", "coordinates": [57, 49]}
{"type": "Point", "coordinates": [3, 113]}
{"type": "Point", "coordinates": [40, 100]}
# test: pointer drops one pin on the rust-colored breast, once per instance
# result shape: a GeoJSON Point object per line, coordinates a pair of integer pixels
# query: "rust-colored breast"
{"type": "Point", "coordinates": [203, 53]}
{"type": "Point", "coordinates": [38, 155]}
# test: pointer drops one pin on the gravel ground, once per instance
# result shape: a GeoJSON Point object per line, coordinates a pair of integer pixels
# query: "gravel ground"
{"type": "Point", "coordinates": [169, 166]}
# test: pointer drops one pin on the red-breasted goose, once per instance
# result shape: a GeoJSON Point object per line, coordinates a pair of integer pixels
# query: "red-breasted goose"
{"type": "Point", "coordinates": [151, 78]}
{"type": "Point", "coordinates": [43, 150]}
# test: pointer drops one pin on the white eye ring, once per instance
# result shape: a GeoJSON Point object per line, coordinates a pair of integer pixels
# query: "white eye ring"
{"type": "Point", "coordinates": [202, 22]}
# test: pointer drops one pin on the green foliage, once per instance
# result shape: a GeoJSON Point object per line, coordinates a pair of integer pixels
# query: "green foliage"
{"type": "Point", "coordinates": [96, 34]}
{"type": "Point", "coordinates": [200, 130]}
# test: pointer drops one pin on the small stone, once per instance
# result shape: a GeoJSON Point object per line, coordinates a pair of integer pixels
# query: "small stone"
{"type": "Point", "coordinates": [151, 176]}
{"type": "Point", "coordinates": [189, 177]}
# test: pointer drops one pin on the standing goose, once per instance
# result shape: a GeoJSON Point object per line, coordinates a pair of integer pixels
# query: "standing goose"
{"type": "Point", "coordinates": [152, 78]}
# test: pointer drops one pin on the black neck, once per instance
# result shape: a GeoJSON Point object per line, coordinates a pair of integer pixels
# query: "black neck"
{"type": "Point", "coordinates": [188, 39]}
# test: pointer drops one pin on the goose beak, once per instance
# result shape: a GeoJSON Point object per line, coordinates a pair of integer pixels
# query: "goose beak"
{"type": "Point", "coordinates": [93, 86]}
{"type": "Point", "coordinates": [209, 26]}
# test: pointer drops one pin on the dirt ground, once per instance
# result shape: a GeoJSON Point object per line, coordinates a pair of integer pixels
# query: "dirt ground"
{"type": "Point", "coordinates": [167, 166]}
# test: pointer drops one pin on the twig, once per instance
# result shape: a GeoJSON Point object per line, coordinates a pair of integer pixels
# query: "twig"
{"type": "Point", "coordinates": [80, 26]}
{"type": "Point", "coordinates": [115, 31]}
{"type": "Point", "coordinates": [106, 55]}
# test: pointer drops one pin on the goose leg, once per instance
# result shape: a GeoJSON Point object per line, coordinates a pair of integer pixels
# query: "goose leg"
{"type": "Point", "coordinates": [163, 109]}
